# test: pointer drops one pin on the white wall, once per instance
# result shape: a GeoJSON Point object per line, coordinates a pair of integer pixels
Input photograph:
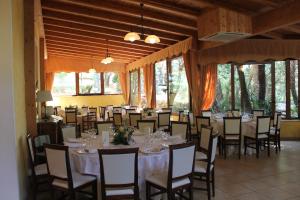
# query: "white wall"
{"type": "Point", "coordinates": [9, 187]}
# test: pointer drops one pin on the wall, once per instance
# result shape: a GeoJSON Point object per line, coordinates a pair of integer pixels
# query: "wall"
{"type": "Point", "coordinates": [95, 101]}
{"type": "Point", "coordinates": [290, 129]}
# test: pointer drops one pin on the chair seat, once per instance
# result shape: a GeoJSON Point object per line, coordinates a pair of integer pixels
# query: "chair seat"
{"type": "Point", "coordinates": [119, 191]}
{"type": "Point", "coordinates": [201, 167]}
{"type": "Point", "coordinates": [230, 137]}
{"type": "Point", "coordinates": [200, 156]}
{"type": "Point", "coordinates": [78, 180]}
{"type": "Point", "coordinates": [41, 169]}
{"type": "Point", "coordinates": [253, 135]}
{"type": "Point", "coordinates": [162, 180]}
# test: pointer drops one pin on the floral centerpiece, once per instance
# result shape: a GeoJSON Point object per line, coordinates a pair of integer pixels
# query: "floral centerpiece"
{"type": "Point", "coordinates": [148, 111]}
{"type": "Point", "coordinates": [122, 135]}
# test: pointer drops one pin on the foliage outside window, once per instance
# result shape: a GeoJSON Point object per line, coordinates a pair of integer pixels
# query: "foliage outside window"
{"type": "Point", "coordinates": [161, 84]}
{"type": "Point", "coordinates": [143, 93]}
{"type": "Point", "coordinates": [280, 85]}
{"type": "Point", "coordinates": [89, 83]}
{"type": "Point", "coordinates": [134, 87]}
{"type": "Point", "coordinates": [111, 83]}
{"type": "Point", "coordinates": [64, 84]}
{"type": "Point", "coordinates": [294, 87]}
{"type": "Point", "coordinates": [178, 86]}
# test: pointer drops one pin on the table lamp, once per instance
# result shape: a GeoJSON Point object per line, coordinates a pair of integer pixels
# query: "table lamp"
{"type": "Point", "coordinates": [43, 96]}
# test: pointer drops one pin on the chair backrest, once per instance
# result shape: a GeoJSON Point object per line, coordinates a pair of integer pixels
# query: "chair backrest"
{"type": "Point", "coordinates": [263, 125]}
{"type": "Point", "coordinates": [145, 125]}
{"type": "Point", "coordinates": [117, 119]}
{"type": "Point", "coordinates": [212, 151]}
{"type": "Point", "coordinates": [118, 167]}
{"type": "Point", "coordinates": [71, 116]}
{"type": "Point", "coordinates": [58, 162]}
{"type": "Point", "coordinates": [257, 113]}
{"type": "Point", "coordinates": [206, 113]}
{"type": "Point", "coordinates": [93, 110]}
{"type": "Point", "coordinates": [164, 119]}
{"type": "Point", "coordinates": [232, 125]}
{"type": "Point", "coordinates": [279, 118]}
{"type": "Point", "coordinates": [117, 110]}
{"type": "Point", "coordinates": [133, 118]}
{"type": "Point", "coordinates": [130, 110]}
{"type": "Point", "coordinates": [103, 126]}
{"type": "Point", "coordinates": [84, 110]}
{"type": "Point", "coordinates": [202, 121]}
{"type": "Point", "coordinates": [30, 146]}
{"type": "Point", "coordinates": [102, 112]}
{"type": "Point", "coordinates": [50, 110]}
{"type": "Point", "coordinates": [179, 154]}
{"type": "Point", "coordinates": [68, 132]}
{"type": "Point", "coordinates": [179, 129]}
{"type": "Point", "coordinates": [206, 132]}
{"type": "Point", "coordinates": [275, 118]}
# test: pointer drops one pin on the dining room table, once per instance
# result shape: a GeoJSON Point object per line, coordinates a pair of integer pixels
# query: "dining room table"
{"type": "Point", "coordinates": [153, 154]}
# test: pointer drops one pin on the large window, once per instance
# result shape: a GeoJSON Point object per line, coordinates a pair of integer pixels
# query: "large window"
{"type": "Point", "coordinates": [143, 93]}
{"type": "Point", "coordinates": [89, 83]}
{"type": "Point", "coordinates": [134, 87]}
{"type": "Point", "coordinates": [294, 87]}
{"type": "Point", "coordinates": [161, 84]}
{"type": "Point", "coordinates": [280, 85]}
{"type": "Point", "coordinates": [64, 84]}
{"type": "Point", "coordinates": [111, 83]}
{"type": "Point", "coordinates": [178, 86]}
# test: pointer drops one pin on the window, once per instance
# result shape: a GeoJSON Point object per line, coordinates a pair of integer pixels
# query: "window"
{"type": "Point", "coordinates": [280, 86]}
{"type": "Point", "coordinates": [64, 84]}
{"type": "Point", "coordinates": [294, 87]}
{"type": "Point", "coordinates": [89, 83]}
{"type": "Point", "coordinates": [161, 84]}
{"type": "Point", "coordinates": [178, 86]}
{"type": "Point", "coordinates": [111, 83]}
{"type": "Point", "coordinates": [143, 93]}
{"type": "Point", "coordinates": [222, 100]}
{"type": "Point", "coordinates": [134, 88]}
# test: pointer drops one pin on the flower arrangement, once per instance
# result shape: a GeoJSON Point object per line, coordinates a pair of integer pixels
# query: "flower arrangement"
{"type": "Point", "coordinates": [122, 135]}
{"type": "Point", "coordinates": [148, 111]}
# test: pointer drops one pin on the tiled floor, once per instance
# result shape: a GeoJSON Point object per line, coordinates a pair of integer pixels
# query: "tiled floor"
{"type": "Point", "coordinates": [267, 178]}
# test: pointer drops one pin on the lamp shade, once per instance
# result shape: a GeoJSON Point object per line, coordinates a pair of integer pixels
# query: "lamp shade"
{"type": "Point", "coordinates": [132, 36]}
{"type": "Point", "coordinates": [43, 96]}
{"type": "Point", "coordinates": [92, 71]}
{"type": "Point", "coordinates": [152, 39]}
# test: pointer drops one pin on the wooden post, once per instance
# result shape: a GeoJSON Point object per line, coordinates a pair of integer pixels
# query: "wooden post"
{"type": "Point", "coordinates": [139, 86]}
{"type": "Point", "coordinates": [42, 63]}
{"type": "Point", "coordinates": [273, 100]}
{"type": "Point", "coordinates": [77, 83]}
{"type": "Point", "coordinates": [232, 87]}
{"type": "Point", "coordinates": [168, 76]}
{"type": "Point", "coordinates": [288, 89]}
{"type": "Point", "coordinates": [102, 82]}
{"type": "Point", "coordinates": [29, 67]}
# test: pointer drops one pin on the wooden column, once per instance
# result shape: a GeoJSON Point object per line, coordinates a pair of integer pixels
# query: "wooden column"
{"type": "Point", "coordinates": [77, 83]}
{"type": "Point", "coordinates": [29, 67]}
{"type": "Point", "coordinates": [42, 63]}
{"type": "Point", "coordinates": [102, 82]}
{"type": "Point", "coordinates": [299, 89]}
{"type": "Point", "coordinates": [288, 88]}
{"type": "Point", "coordinates": [168, 76]}
{"type": "Point", "coordinates": [139, 85]}
{"type": "Point", "coordinates": [232, 87]}
{"type": "Point", "coordinates": [273, 99]}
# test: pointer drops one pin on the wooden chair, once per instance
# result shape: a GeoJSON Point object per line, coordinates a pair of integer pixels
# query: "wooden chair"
{"type": "Point", "coordinates": [102, 110]}
{"type": "Point", "coordinates": [179, 175]}
{"type": "Point", "coordinates": [164, 120]}
{"type": "Point", "coordinates": [88, 121]}
{"type": "Point", "coordinates": [84, 110]}
{"type": "Point", "coordinates": [133, 118]}
{"type": "Point", "coordinates": [202, 153]}
{"type": "Point", "coordinates": [179, 129]}
{"type": "Point", "coordinates": [275, 133]}
{"type": "Point", "coordinates": [71, 117]}
{"type": "Point", "coordinates": [62, 178]}
{"type": "Point", "coordinates": [39, 170]}
{"type": "Point", "coordinates": [275, 118]}
{"type": "Point", "coordinates": [257, 113]}
{"type": "Point", "coordinates": [206, 168]}
{"type": "Point", "coordinates": [145, 125]}
{"type": "Point", "coordinates": [68, 132]}
{"type": "Point", "coordinates": [93, 110]}
{"type": "Point", "coordinates": [117, 109]}
{"type": "Point", "coordinates": [261, 135]}
{"type": "Point", "coordinates": [167, 110]}
{"type": "Point", "coordinates": [103, 126]}
{"type": "Point", "coordinates": [119, 173]}
{"type": "Point", "coordinates": [200, 120]}
{"type": "Point", "coordinates": [231, 134]}
{"type": "Point", "coordinates": [130, 110]}
{"type": "Point", "coordinates": [117, 119]}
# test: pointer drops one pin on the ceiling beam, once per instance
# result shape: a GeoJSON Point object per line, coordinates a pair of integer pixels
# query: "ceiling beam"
{"type": "Point", "coordinates": [97, 30]}
{"type": "Point", "coordinates": [135, 11]}
{"type": "Point", "coordinates": [49, 14]}
{"type": "Point", "coordinates": [285, 15]}
{"type": "Point", "coordinates": [108, 16]}
{"type": "Point", "coordinates": [102, 37]}
{"type": "Point", "coordinates": [294, 28]}
{"type": "Point", "coordinates": [273, 35]}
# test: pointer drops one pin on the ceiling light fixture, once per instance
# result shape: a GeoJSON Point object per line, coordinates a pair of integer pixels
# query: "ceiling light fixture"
{"type": "Point", "coordinates": [108, 59]}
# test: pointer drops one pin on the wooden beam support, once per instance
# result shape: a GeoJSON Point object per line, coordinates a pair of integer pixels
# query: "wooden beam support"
{"type": "Point", "coordinates": [273, 91]}
{"type": "Point", "coordinates": [108, 16]}
{"type": "Point", "coordinates": [232, 86]}
{"type": "Point", "coordinates": [29, 67]}
{"type": "Point", "coordinates": [288, 88]}
{"type": "Point", "coordinates": [42, 63]}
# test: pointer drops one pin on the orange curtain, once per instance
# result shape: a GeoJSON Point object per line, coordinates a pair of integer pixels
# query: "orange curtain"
{"type": "Point", "coordinates": [208, 80]}
{"type": "Point", "coordinates": [149, 84]}
{"type": "Point", "coordinates": [123, 77]}
{"type": "Point", "coordinates": [49, 77]}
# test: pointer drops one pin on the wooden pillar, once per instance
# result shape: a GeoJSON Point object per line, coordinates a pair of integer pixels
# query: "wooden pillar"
{"type": "Point", "coordinates": [288, 88]}
{"type": "Point", "coordinates": [77, 83]}
{"type": "Point", "coordinates": [29, 67]}
{"type": "Point", "coordinates": [139, 85]}
{"type": "Point", "coordinates": [42, 63]}
{"type": "Point", "coordinates": [102, 82]}
{"type": "Point", "coordinates": [273, 99]}
{"type": "Point", "coordinates": [232, 87]}
{"type": "Point", "coordinates": [168, 76]}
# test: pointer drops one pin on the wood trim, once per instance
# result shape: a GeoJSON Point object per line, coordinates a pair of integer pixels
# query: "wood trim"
{"type": "Point", "coordinates": [232, 84]}
{"type": "Point", "coordinates": [42, 63]}
{"type": "Point", "coordinates": [77, 83]}
{"type": "Point", "coordinates": [139, 86]}
{"type": "Point", "coordinates": [273, 91]}
{"type": "Point", "coordinates": [168, 61]}
{"type": "Point", "coordinates": [29, 67]}
{"type": "Point", "coordinates": [288, 88]}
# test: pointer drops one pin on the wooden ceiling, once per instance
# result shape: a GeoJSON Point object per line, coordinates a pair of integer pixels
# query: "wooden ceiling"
{"type": "Point", "coordinates": [81, 28]}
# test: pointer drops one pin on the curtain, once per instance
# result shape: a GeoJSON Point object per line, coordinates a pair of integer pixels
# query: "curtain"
{"type": "Point", "coordinates": [149, 84]}
{"type": "Point", "coordinates": [49, 77]}
{"type": "Point", "coordinates": [123, 77]}
{"type": "Point", "coordinates": [208, 80]}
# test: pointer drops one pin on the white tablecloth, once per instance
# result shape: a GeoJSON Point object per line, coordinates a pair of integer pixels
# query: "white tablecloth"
{"type": "Point", "coordinates": [88, 163]}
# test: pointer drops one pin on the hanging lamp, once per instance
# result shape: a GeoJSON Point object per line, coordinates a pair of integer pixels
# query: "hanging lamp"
{"type": "Point", "coordinates": [108, 59]}
{"type": "Point", "coordinates": [92, 70]}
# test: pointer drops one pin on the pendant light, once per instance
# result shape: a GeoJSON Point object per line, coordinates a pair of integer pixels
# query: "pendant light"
{"type": "Point", "coordinates": [132, 36]}
{"type": "Point", "coordinates": [108, 59]}
{"type": "Point", "coordinates": [152, 39]}
{"type": "Point", "coordinates": [92, 70]}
